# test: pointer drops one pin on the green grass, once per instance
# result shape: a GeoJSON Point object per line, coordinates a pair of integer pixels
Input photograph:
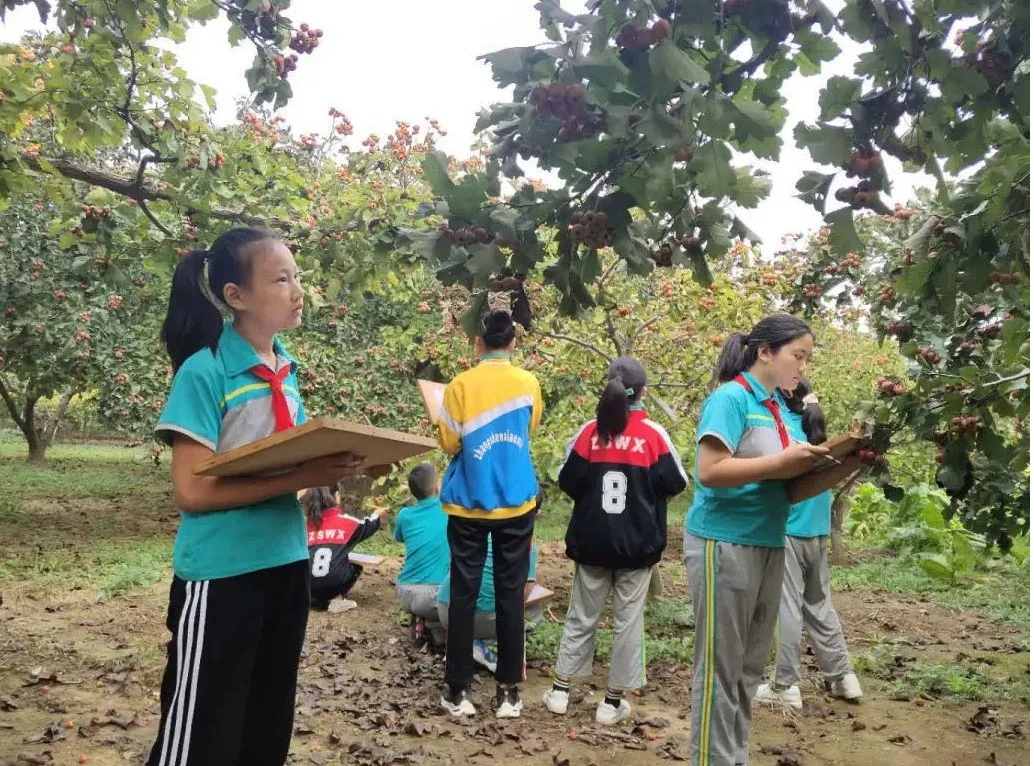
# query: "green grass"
{"type": "Point", "coordinates": [1004, 596]}
{"type": "Point", "coordinates": [668, 630]}
{"type": "Point", "coordinates": [910, 677]}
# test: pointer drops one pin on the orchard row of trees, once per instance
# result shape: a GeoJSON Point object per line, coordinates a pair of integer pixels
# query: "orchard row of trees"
{"type": "Point", "coordinates": [651, 113]}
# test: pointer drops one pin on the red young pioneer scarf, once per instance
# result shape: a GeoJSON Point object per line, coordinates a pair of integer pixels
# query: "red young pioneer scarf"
{"type": "Point", "coordinates": [281, 411]}
{"type": "Point", "coordinates": [772, 406]}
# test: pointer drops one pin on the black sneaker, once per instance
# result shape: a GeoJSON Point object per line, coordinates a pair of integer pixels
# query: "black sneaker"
{"type": "Point", "coordinates": [456, 702]}
{"type": "Point", "coordinates": [507, 702]}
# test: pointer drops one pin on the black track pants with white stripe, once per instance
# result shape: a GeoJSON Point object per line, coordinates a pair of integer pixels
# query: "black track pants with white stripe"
{"type": "Point", "coordinates": [229, 684]}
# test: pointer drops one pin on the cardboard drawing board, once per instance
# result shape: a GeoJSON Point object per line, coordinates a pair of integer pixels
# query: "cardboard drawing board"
{"type": "Point", "coordinates": [839, 448]}
{"type": "Point", "coordinates": [368, 559]}
{"type": "Point", "coordinates": [537, 594]}
{"type": "Point", "coordinates": [317, 438]}
{"type": "Point", "coordinates": [433, 394]}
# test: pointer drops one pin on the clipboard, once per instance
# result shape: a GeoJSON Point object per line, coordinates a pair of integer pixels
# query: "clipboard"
{"type": "Point", "coordinates": [839, 447]}
{"type": "Point", "coordinates": [317, 438]}
{"type": "Point", "coordinates": [433, 395]}
{"type": "Point", "coordinates": [537, 594]}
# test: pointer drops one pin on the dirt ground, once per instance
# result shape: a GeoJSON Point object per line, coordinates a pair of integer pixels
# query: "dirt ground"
{"type": "Point", "coordinates": [79, 678]}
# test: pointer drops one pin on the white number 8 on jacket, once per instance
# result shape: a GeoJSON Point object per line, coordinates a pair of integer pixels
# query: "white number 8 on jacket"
{"type": "Point", "coordinates": [615, 486]}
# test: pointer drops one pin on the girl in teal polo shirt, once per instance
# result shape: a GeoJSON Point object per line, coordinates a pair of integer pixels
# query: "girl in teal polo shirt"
{"type": "Point", "coordinates": [736, 526]}
{"type": "Point", "coordinates": [240, 593]}
{"type": "Point", "coordinates": [807, 601]}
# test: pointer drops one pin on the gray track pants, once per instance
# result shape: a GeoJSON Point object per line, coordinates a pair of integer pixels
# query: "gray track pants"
{"type": "Point", "coordinates": [807, 603]}
{"type": "Point", "coordinates": [592, 586]}
{"type": "Point", "coordinates": [421, 600]}
{"type": "Point", "coordinates": [735, 592]}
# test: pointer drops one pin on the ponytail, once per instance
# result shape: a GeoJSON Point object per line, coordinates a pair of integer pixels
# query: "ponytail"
{"type": "Point", "coordinates": [194, 319]}
{"type": "Point", "coordinates": [315, 501]}
{"type": "Point", "coordinates": [813, 419]}
{"type": "Point", "coordinates": [733, 359]}
{"type": "Point", "coordinates": [612, 411]}
{"type": "Point", "coordinates": [626, 380]}
{"type": "Point", "coordinates": [740, 351]}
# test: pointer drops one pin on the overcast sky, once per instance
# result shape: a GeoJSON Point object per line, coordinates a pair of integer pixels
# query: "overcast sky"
{"type": "Point", "coordinates": [409, 59]}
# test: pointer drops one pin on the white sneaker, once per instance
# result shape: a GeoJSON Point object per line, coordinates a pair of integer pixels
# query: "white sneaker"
{"type": "Point", "coordinates": [508, 705]}
{"type": "Point", "coordinates": [791, 696]}
{"type": "Point", "coordinates": [484, 656]}
{"type": "Point", "coordinates": [847, 687]}
{"type": "Point", "coordinates": [458, 705]}
{"type": "Point", "coordinates": [608, 715]}
{"type": "Point", "coordinates": [341, 605]}
{"type": "Point", "coordinates": [556, 701]}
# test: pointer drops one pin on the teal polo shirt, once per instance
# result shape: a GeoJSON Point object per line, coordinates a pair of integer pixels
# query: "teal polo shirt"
{"type": "Point", "coordinates": [486, 594]}
{"type": "Point", "coordinates": [423, 529]}
{"type": "Point", "coordinates": [754, 514]}
{"type": "Point", "coordinates": [216, 401]}
{"type": "Point", "coordinates": [811, 517]}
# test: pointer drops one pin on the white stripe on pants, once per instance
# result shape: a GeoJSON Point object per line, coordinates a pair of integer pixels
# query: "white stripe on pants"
{"type": "Point", "coordinates": [808, 603]}
{"type": "Point", "coordinates": [592, 586]}
{"type": "Point", "coordinates": [188, 664]}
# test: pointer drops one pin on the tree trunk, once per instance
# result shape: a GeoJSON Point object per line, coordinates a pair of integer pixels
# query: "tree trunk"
{"type": "Point", "coordinates": [837, 552]}
{"type": "Point", "coordinates": [35, 437]}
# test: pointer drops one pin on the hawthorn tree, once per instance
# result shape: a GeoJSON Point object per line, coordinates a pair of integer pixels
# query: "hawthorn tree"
{"type": "Point", "coordinates": [62, 314]}
{"type": "Point", "coordinates": [649, 112]}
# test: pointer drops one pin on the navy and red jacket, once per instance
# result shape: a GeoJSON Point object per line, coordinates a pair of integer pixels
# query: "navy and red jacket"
{"type": "Point", "coordinates": [620, 491]}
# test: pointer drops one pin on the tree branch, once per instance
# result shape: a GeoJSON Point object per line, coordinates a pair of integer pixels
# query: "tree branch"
{"type": "Point", "coordinates": [128, 187]}
{"type": "Point", "coordinates": [12, 405]}
{"type": "Point", "coordinates": [584, 344]}
{"type": "Point", "coordinates": [62, 408]}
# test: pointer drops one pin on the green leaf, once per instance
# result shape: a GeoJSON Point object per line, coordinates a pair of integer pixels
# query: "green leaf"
{"type": "Point", "coordinates": [936, 566]}
{"type": "Point", "coordinates": [671, 66]}
{"type": "Point", "coordinates": [838, 94]}
{"type": "Point", "coordinates": [712, 166]}
{"type": "Point", "coordinates": [814, 188]}
{"type": "Point", "coordinates": [473, 318]}
{"type": "Point", "coordinates": [601, 67]}
{"type": "Point", "coordinates": [826, 144]}
{"type": "Point", "coordinates": [842, 234]}
{"type": "Point", "coordinates": [436, 171]}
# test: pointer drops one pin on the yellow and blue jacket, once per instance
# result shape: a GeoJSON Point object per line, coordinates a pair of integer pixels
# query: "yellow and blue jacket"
{"type": "Point", "coordinates": [487, 418]}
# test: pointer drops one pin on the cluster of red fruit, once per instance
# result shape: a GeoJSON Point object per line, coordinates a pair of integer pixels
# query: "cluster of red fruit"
{"type": "Point", "coordinates": [812, 291]}
{"type": "Point", "coordinates": [851, 261]}
{"type": "Point", "coordinates": [990, 331]}
{"type": "Point", "coordinates": [465, 235]}
{"type": "Point", "coordinates": [284, 65]}
{"type": "Point", "coordinates": [895, 147]}
{"type": "Point", "coordinates": [887, 295]}
{"type": "Point", "coordinates": [872, 457]}
{"type": "Point", "coordinates": [114, 301]}
{"type": "Point", "coordinates": [888, 387]}
{"type": "Point", "coordinates": [967, 346]}
{"type": "Point", "coordinates": [60, 295]}
{"type": "Point", "coordinates": [92, 211]}
{"type": "Point", "coordinates": [928, 355]}
{"type": "Point", "coordinates": [964, 426]}
{"type": "Point", "coordinates": [863, 162]}
{"type": "Point", "coordinates": [902, 213]}
{"type": "Point", "coordinates": [342, 125]}
{"type": "Point", "coordinates": [662, 256]}
{"type": "Point", "coordinates": [993, 65]}
{"type": "Point", "coordinates": [862, 195]}
{"type": "Point", "coordinates": [1005, 278]}
{"type": "Point", "coordinates": [306, 40]}
{"type": "Point", "coordinates": [402, 144]}
{"type": "Point", "coordinates": [635, 38]}
{"type": "Point", "coordinates": [899, 330]}
{"type": "Point", "coordinates": [567, 104]}
{"type": "Point", "coordinates": [506, 283]}
{"type": "Point", "coordinates": [590, 228]}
